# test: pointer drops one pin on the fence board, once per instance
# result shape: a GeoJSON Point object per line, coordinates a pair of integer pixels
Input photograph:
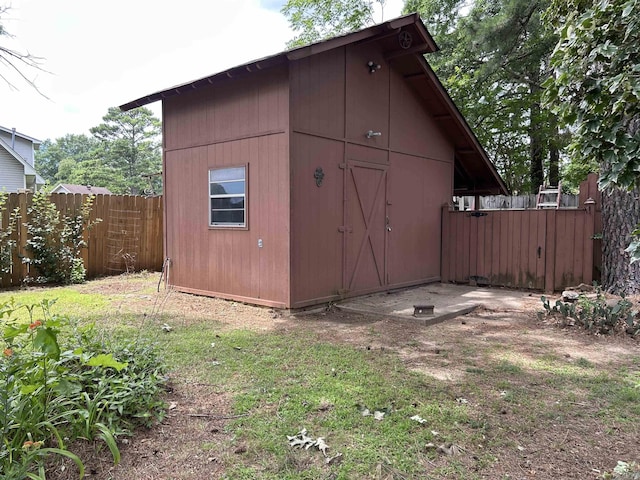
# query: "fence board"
{"type": "Point", "coordinates": [137, 223]}
{"type": "Point", "coordinates": [537, 249]}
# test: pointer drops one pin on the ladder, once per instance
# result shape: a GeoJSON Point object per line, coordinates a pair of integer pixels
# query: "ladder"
{"type": "Point", "coordinates": [549, 196]}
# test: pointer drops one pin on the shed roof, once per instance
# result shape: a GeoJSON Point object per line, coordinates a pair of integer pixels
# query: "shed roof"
{"type": "Point", "coordinates": [474, 172]}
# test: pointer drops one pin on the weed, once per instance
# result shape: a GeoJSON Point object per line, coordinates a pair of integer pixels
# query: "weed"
{"type": "Point", "coordinates": [596, 314]}
{"type": "Point", "coordinates": [584, 363]}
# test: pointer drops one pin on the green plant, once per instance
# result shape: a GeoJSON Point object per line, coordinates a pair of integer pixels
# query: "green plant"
{"type": "Point", "coordinates": [596, 314]}
{"type": "Point", "coordinates": [7, 243]}
{"type": "Point", "coordinates": [624, 471]}
{"type": "Point", "coordinates": [64, 380]}
{"type": "Point", "coordinates": [56, 240]}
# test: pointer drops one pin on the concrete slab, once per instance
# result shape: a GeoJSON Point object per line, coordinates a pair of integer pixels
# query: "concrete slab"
{"type": "Point", "coordinates": [448, 300]}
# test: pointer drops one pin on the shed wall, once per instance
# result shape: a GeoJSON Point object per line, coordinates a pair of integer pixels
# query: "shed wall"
{"type": "Point", "coordinates": [399, 179]}
{"type": "Point", "coordinates": [244, 122]}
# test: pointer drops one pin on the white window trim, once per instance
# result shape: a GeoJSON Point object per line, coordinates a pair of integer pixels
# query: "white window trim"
{"type": "Point", "coordinates": [244, 195]}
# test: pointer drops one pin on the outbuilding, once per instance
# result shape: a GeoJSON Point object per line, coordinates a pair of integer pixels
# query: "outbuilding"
{"type": "Point", "coordinates": [315, 174]}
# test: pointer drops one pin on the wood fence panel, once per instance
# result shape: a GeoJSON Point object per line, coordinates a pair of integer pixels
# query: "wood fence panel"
{"type": "Point", "coordinates": [133, 225]}
{"type": "Point", "coordinates": [533, 249]}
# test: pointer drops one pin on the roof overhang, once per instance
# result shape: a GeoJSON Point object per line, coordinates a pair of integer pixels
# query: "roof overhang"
{"type": "Point", "coordinates": [474, 173]}
{"type": "Point", "coordinates": [427, 45]}
{"type": "Point", "coordinates": [35, 141]}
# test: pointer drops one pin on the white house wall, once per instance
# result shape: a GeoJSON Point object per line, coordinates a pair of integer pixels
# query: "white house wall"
{"type": "Point", "coordinates": [22, 147]}
{"type": "Point", "coordinates": [12, 176]}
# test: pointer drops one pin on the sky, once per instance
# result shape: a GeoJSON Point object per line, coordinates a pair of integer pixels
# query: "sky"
{"type": "Point", "coordinates": [97, 54]}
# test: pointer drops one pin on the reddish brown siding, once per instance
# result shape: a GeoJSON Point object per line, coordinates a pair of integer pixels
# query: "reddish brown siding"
{"type": "Point", "coordinates": [317, 94]}
{"type": "Point", "coordinates": [413, 129]}
{"type": "Point", "coordinates": [316, 216]}
{"type": "Point", "coordinates": [417, 188]}
{"type": "Point", "coordinates": [240, 123]}
{"type": "Point", "coordinates": [340, 243]}
{"type": "Point", "coordinates": [244, 107]}
{"type": "Point", "coordinates": [367, 95]}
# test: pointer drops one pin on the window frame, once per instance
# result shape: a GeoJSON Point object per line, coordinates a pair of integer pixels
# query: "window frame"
{"type": "Point", "coordinates": [245, 196]}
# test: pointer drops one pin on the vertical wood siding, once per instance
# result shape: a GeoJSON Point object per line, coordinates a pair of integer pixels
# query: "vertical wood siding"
{"type": "Point", "coordinates": [334, 102]}
{"type": "Point", "coordinates": [237, 123]}
{"type": "Point", "coordinates": [131, 225]}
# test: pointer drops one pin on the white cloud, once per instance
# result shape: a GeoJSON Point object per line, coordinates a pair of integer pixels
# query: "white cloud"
{"type": "Point", "coordinates": [103, 54]}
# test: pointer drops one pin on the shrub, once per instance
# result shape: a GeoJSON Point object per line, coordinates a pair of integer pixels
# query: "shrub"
{"type": "Point", "coordinates": [596, 314]}
{"type": "Point", "coordinates": [7, 244]}
{"type": "Point", "coordinates": [66, 381]}
{"type": "Point", "coordinates": [56, 241]}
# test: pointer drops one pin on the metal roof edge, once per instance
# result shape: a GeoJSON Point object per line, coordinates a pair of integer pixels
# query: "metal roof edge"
{"type": "Point", "coordinates": [288, 55]}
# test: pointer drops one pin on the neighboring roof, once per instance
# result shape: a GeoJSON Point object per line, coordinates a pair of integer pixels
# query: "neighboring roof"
{"type": "Point", "coordinates": [84, 189]}
{"type": "Point", "coordinates": [18, 134]}
{"type": "Point", "coordinates": [28, 169]}
{"type": "Point", "coordinates": [474, 172]}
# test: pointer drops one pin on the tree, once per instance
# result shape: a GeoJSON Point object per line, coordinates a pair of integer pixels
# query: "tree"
{"type": "Point", "coordinates": [596, 90]}
{"type": "Point", "coordinates": [130, 144]}
{"type": "Point", "coordinates": [78, 148]}
{"type": "Point", "coordinates": [493, 60]}
{"type": "Point", "coordinates": [14, 63]}
{"type": "Point", "coordinates": [317, 20]}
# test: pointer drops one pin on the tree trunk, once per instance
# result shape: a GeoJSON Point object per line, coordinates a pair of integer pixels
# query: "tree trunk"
{"type": "Point", "coordinates": [554, 153]}
{"type": "Point", "coordinates": [536, 150]}
{"type": "Point", "coordinates": [620, 215]}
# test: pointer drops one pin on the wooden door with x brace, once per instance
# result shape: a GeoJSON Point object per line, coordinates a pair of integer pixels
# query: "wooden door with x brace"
{"type": "Point", "coordinates": [367, 227]}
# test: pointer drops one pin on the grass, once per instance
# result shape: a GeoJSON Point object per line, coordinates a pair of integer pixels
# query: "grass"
{"type": "Point", "coordinates": [286, 382]}
{"type": "Point", "coordinates": [283, 381]}
{"type": "Point", "coordinates": [69, 301]}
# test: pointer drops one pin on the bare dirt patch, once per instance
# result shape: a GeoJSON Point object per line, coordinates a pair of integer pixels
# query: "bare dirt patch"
{"type": "Point", "coordinates": [569, 441]}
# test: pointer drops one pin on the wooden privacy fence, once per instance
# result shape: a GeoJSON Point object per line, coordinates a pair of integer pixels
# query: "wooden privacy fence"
{"type": "Point", "coordinates": [128, 237]}
{"type": "Point", "coordinates": [537, 249]}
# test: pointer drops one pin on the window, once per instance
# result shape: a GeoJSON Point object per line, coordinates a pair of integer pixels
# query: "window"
{"type": "Point", "coordinates": [227, 194]}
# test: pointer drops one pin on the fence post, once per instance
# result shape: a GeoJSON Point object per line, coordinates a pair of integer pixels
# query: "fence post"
{"type": "Point", "coordinates": [588, 199]}
{"type": "Point", "coordinates": [445, 219]}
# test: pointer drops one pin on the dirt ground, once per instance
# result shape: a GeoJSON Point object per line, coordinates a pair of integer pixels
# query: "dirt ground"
{"type": "Point", "coordinates": [562, 450]}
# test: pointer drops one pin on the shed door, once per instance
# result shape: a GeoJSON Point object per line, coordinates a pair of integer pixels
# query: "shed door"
{"type": "Point", "coordinates": [367, 222]}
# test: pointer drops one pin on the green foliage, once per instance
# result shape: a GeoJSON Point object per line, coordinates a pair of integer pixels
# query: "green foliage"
{"type": "Point", "coordinates": [7, 244]}
{"type": "Point", "coordinates": [71, 148]}
{"type": "Point", "coordinates": [130, 145]}
{"type": "Point", "coordinates": [63, 381]}
{"type": "Point", "coordinates": [596, 88]}
{"type": "Point", "coordinates": [493, 59]}
{"type": "Point", "coordinates": [120, 152]}
{"type": "Point", "coordinates": [56, 240]}
{"type": "Point", "coordinates": [315, 20]}
{"type": "Point", "coordinates": [596, 314]}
